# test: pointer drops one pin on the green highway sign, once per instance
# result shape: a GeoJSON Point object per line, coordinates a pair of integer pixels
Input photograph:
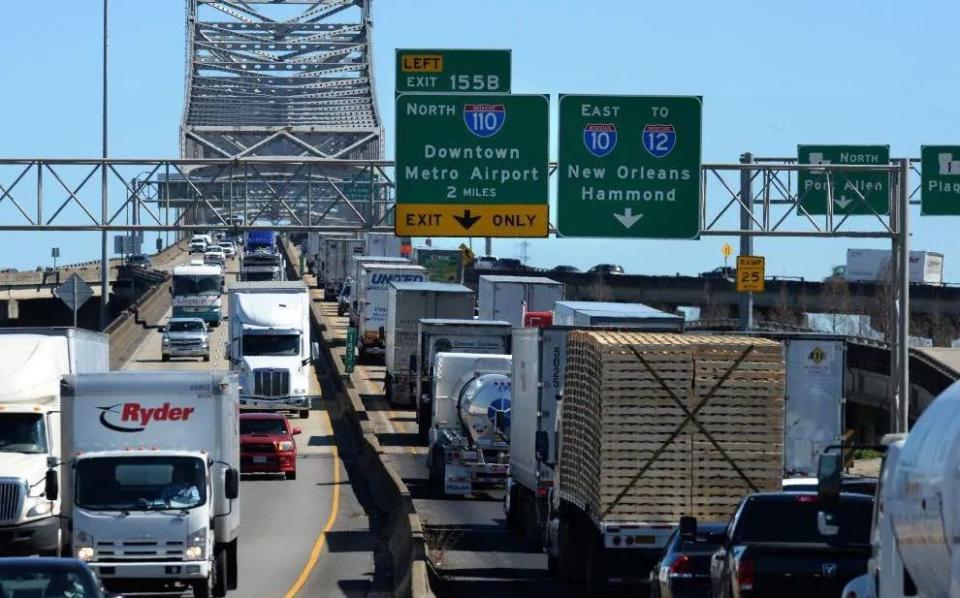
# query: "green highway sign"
{"type": "Point", "coordinates": [350, 352]}
{"type": "Point", "coordinates": [446, 71]}
{"type": "Point", "coordinates": [472, 165]}
{"type": "Point", "coordinates": [629, 166]}
{"type": "Point", "coordinates": [847, 187]}
{"type": "Point", "coordinates": [940, 180]}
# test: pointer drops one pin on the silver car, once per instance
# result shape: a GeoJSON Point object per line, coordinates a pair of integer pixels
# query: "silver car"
{"type": "Point", "coordinates": [185, 337]}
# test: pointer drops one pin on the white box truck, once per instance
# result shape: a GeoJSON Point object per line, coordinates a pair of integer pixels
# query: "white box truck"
{"type": "Point", "coordinates": [814, 402]}
{"type": "Point", "coordinates": [539, 359]}
{"type": "Point", "coordinates": [347, 299]}
{"type": "Point", "coordinates": [269, 344]}
{"type": "Point", "coordinates": [407, 304]}
{"type": "Point", "coordinates": [873, 265]}
{"type": "Point", "coordinates": [435, 336]}
{"type": "Point", "coordinates": [383, 244]}
{"type": "Point", "coordinates": [508, 297]}
{"type": "Point", "coordinates": [372, 296]}
{"type": "Point", "coordinates": [469, 440]}
{"type": "Point", "coordinates": [151, 478]}
{"type": "Point", "coordinates": [32, 362]}
{"type": "Point", "coordinates": [333, 263]}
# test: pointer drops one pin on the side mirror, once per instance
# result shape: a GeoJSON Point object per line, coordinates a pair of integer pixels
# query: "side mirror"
{"type": "Point", "coordinates": [232, 484]}
{"type": "Point", "coordinates": [297, 431]}
{"type": "Point", "coordinates": [830, 475]}
{"type": "Point", "coordinates": [51, 486]}
{"type": "Point", "coordinates": [161, 329]}
{"type": "Point", "coordinates": [688, 528]}
{"type": "Point", "coordinates": [315, 352]}
{"type": "Point", "coordinates": [541, 445]}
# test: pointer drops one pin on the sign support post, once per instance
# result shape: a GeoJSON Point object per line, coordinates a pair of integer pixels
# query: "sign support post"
{"type": "Point", "coordinates": [746, 240]}
{"type": "Point", "coordinates": [899, 332]}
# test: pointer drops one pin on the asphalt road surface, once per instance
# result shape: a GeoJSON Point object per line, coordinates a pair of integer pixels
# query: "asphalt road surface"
{"type": "Point", "coordinates": [306, 537]}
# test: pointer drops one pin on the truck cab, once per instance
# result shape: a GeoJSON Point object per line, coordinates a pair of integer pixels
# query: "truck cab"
{"type": "Point", "coordinates": [196, 292]}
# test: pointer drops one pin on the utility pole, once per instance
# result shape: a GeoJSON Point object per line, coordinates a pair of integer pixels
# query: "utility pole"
{"type": "Point", "coordinates": [745, 307]}
{"type": "Point", "coordinates": [104, 194]}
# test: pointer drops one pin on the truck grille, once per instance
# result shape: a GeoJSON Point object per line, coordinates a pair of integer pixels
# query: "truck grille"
{"type": "Point", "coordinates": [259, 447]}
{"type": "Point", "coordinates": [271, 383]}
{"type": "Point", "coordinates": [139, 550]}
{"type": "Point", "coordinates": [189, 342]}
{"type": "Point", "coordinates": [12, 491]}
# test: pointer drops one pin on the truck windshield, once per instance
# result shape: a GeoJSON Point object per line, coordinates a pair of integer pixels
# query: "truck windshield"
{"type": "Point", "coordinates": [22, 433]}
{"type": "Point", "coordinates": [184, 326]}
{"type": "Point", "coordinates": [273, 425]}
{"type": "Point", "coordinates": [271, 345]}
{"type": "Point", "coordinates": [196, 285]}
{"type": "Point", "coordinates": [795, 521]}
{"type": "Point", "coordinates": [139, 483]}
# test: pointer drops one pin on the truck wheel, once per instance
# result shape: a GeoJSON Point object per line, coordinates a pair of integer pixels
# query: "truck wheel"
{"type": "Point", "coordinates": [290, 475]}
{"type": "Point", "coordinates": [423, 421]}
{"type": "Point", "coordinates": [220, 573]}
{"type": "Point", "coordinates": [513, 513]}
{"type": "Point", "coordinates": [570, 566]}
{"type": "Point", "coordinates": [592, 567]}
{"type": "Point", "coordinates": [233, 568]}
{"type": "Point", "coordinates": [206, 358]}
{"type": "Point", "coordinates": [553, 566]}
{"type": "Point", "coordinates": [304, 413]}
{"type": "Point", "coordinates": [164, 358]}
{"type": "Point", "coordinates": [203, 588]}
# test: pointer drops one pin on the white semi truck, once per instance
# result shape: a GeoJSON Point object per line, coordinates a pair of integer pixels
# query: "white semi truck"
{"type": "Point", "coordinates": [371, 301]}
{"type": "Point", "coordinates": [407, 304]}
{"type": "Point", "coordinates": [151, 478]}
{"type": "Point", "coordinates": [916, 516]}
{"type": "Point", "coordinates": [333, 263]}
{"type": "Point", "coordinates": [269, 344]}
{"type": "Point", "coordinates": [436, 336]}
{"type": "Point", "coordinates": [539, 360]}
{"type": "Point", "coordinates": [469, 440]}
{"type": "Point", "coordinates": [32, 362]}
{"type": "Point", "coordinates": [196, 292]}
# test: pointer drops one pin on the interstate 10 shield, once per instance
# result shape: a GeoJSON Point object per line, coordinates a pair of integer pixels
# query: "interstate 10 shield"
{"type": "Point", "coordinates": [659, 140]}
{"type": "Point", "coordinates": [600, 139]}
{"type": "Point", "coordinates": [484, 120]}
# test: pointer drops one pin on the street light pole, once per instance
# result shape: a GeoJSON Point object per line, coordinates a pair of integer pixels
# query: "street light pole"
{"type": "Point", "coordinates": [104, 193]}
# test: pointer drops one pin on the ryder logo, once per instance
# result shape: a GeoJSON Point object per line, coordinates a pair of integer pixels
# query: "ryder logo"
{"type": "Point", "coordinates": [133, 417]}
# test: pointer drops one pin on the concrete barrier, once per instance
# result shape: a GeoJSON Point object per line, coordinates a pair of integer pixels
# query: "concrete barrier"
{"type": "Point", "coordinates": [403, 528]}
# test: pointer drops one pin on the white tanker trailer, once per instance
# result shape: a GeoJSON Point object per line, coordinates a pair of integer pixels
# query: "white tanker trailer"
{"type": "Point", "coordinates": [469, 438]}
{"type": "Point", "coordinates": [916, 527]}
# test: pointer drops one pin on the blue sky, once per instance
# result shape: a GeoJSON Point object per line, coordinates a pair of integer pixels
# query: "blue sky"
{"type": "Point", "coordinates": [772, 75]}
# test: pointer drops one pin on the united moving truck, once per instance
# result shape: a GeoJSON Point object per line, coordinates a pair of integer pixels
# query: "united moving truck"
{"type": "Point", "coordinates": [371, 301]}
{"type": "Point", "coordinates": [32, 362]}
{"type": "Point", "coordinates": [407, 304]}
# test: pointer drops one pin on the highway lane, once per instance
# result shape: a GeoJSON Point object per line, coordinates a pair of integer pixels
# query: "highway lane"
{"type": "Point", "coordinates": [471, 549]}
{"type": "Point", "coordinates": [306, 537]}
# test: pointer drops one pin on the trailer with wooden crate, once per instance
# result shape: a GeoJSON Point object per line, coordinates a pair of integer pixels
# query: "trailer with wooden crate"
{"type": "Point", "coordinates": [653, 427]}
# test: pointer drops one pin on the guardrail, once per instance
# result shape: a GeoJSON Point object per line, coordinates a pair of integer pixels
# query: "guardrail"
{"type": "Point", "coordinates": [403, 527]}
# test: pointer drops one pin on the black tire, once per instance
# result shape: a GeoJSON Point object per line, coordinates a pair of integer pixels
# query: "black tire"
{"type": "Point", "coordinates": [202, 588]}
{"type": "Point", "coordinates": [568, 562]}
{"type": "Point", "coordinates": [233, 567]}
{"type": "Point", "coordinates": [304, 413]}
{"type": "Point", "coordinates": [553, 566]}
{"type": "Point", "coordinates": [592, 565]}
{"type": "Point", "coordinates": [290, 475]}
{"type": "Point", "coordinates": [513, 514]}
{"type": "Point", "coordinates": [220, 573]}
{"type": "Point", "coordinates": [206, 358]}
{"type": "Point", "coordinates": [423, 421]}
{"type": "Point", "coordinates": [164, 358]}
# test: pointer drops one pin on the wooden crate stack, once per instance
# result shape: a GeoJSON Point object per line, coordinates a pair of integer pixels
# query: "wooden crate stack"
{"type": "Point", "coordinates": [617, 415]}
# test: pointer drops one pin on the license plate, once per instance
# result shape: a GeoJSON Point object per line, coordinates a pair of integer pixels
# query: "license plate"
{"type": "Point", "coordinates": [259, 459]}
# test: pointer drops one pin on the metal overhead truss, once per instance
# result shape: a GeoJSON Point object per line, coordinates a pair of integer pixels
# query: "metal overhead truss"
{"type": "Point", "coordinates": [281, 78]}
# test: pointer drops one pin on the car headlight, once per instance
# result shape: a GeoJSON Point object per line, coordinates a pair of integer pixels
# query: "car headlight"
{"type": "Point", "coordinates": [43, 507]}
{"type": "Point", "coordinates": [196, 545]}
{"type": "Point", "coordinates": [166, 341]}
{"type": "Point", "coordinates": [284, 446]}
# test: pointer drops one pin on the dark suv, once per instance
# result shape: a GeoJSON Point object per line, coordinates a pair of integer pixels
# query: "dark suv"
{"type": "Point", "coordinates": [606, 269]}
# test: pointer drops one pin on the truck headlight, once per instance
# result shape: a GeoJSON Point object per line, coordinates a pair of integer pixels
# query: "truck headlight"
{"type": "Point", "coordinates": [284, 446]}
{"type": "Point", "coordinates": [196, 545]}
{"type": "Point", "coordinates": [166, 341]}
{"type": "Point", "coordinates": [83, 545]}
{"type": "Point", "coordinates": [300, 391]}
{"type": "Point", "coordinates": [43, 507]}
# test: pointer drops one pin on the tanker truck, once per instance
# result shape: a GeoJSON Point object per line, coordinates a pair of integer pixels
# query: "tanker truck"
{"type": "Point", "coordinates": [916, 522]}
{"type": "Point", "coordinates": [469, 439]}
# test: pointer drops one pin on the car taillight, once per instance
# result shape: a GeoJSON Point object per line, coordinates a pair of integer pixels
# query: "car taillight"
{"type": "Point", "coordinates": [807, 498]}
{"type": "Point", "coordinates": [681, 566]}
{"type": "Point", "coordinates": [745, 574]}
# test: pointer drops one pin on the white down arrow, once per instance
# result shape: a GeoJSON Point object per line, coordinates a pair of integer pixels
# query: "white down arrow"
{"type": "Point", "coordinates": [627, 218]}
{"type": "Point", "coordinates": [843, 202]}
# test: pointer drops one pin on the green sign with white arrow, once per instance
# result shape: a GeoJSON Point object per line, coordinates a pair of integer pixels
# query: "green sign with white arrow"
{"type": "Point", "coordinates": [629, 166]}
{"type": "Point", "coordinates": [940, 180]}
{"type": "Point", "coordinates": [866, 192]}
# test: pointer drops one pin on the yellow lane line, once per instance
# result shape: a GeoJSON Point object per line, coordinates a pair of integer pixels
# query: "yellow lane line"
{"type": "Point", "coordinates": [321, 539]}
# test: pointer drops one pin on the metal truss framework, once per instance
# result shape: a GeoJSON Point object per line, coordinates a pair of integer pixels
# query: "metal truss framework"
{"type": "Point", "coordinates": [281, 78]}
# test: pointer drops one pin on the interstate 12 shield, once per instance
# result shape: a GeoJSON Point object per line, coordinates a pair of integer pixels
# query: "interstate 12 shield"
{"type": "Point", "coordinates": [484, 120]}
{"type": "Point", "coordinates": [659, 140]}
{"type": "Point", "coordinates": [600, 139]}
